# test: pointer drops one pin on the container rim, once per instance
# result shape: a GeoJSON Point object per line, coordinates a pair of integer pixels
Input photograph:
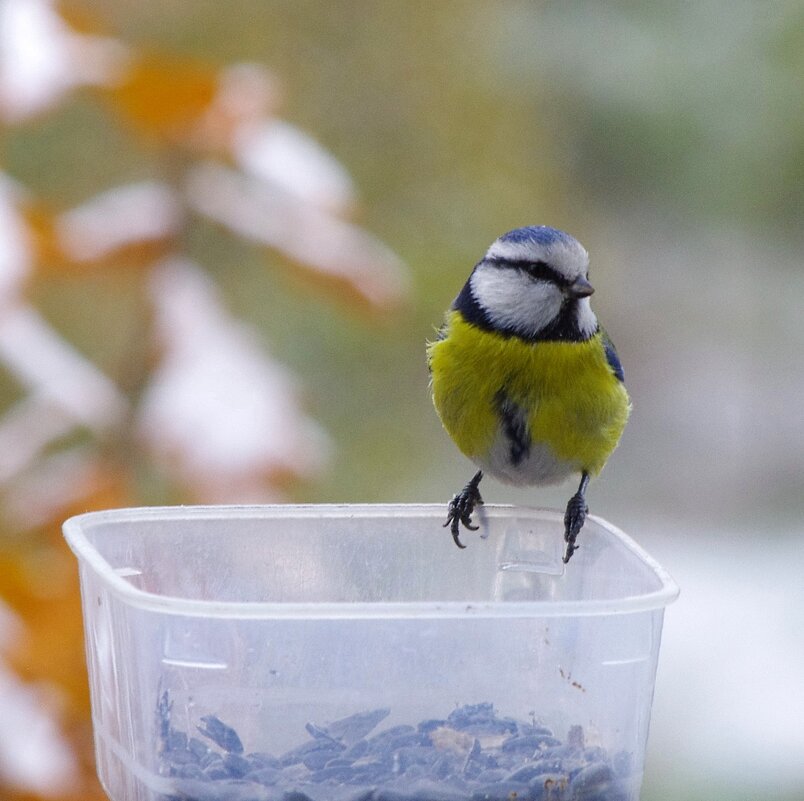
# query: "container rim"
{"type": "Point", "coordinates": [87, 554]}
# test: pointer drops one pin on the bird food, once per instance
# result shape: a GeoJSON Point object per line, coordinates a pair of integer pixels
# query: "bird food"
{"type": "Point", "coordinates": [472, 754]}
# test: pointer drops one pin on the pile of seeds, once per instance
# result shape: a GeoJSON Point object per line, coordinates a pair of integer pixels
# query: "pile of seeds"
{"type": "Point", "coordinates": [471, 755]}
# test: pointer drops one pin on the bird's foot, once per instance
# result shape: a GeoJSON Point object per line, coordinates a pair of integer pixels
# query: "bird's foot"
{"type": "Point", "coordinates": [574, 518]}
{"type": "Point", "coordinates": [461, 507]}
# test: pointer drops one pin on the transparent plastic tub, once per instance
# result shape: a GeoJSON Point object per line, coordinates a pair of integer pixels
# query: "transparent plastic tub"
{"type": "Point", "coordinates": [353, 653]}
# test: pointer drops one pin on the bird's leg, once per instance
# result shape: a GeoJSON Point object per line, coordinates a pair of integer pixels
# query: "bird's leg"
{"type": "Point", "coordinates": [461, 507]}
{"type": "Point", "coordinates": [575, 516]}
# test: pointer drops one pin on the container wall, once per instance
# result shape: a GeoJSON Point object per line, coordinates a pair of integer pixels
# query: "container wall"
{"type": "Point", "coordinates": [588, 677]}
{"type": "Point", "coordinates": [363, 554]}
{"type": "Point", "coordinates": [238, 704]}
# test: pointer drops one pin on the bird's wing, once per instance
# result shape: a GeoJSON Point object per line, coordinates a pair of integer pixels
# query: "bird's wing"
{"type": "Point", "coordinates": [611, 356]}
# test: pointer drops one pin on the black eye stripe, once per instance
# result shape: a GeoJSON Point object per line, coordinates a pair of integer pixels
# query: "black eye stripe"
{"type": "Point", "coordinates": [539, 270]}
{"type": "Point", "coordinates": [544, 272]}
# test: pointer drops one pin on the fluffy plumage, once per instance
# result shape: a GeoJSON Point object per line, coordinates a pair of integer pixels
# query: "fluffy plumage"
{"type": "Point", "coordinates": [524, 380]}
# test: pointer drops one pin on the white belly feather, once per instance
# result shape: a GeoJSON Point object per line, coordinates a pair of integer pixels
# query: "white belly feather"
{"type": "Point", "coordinates": [539, 466]}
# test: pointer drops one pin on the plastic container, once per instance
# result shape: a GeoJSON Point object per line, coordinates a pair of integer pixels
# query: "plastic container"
{"type": "Point", "coordinates": [353, 653]}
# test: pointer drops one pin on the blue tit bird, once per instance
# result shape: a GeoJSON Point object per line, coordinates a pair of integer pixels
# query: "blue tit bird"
{"type": "Point", "coordinates": [524, 379]}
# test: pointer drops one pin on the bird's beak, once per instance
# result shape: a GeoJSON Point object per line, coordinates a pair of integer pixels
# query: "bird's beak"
{"type": "Point", "coordinates": [580, 288]}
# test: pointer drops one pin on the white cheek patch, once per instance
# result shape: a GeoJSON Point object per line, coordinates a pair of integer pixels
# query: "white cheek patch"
{"type": "Point", "coordinates": [587, 322]}
{"type": "Point", "coordinates": [512, 299]}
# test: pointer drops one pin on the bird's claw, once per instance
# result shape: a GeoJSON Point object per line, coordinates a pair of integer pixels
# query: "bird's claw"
{"type": "Point", "coordinates": [574, 518]}
{"type": "Point", "coordinates": [459, 511]}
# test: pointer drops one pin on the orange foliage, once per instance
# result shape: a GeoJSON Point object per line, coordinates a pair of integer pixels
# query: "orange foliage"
{"type": "Point", "coordinates": [80, 19]}
{"type": "Point", "coordinates": [40, 584]}
{"type": "Point", "coordinates": [165, 96]}
{"type": "Point", "coordinates": [134, 256]}
{"type": "Point", "coordinates": [41, 224]}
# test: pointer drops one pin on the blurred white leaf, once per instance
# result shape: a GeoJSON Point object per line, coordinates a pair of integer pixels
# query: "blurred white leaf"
{"type": "Point", "coordinates": [49, 485]}
{"type": "Point", "coordinates": [64, 388]}
{"type": "Point", "coordinates": [218, 407]}
{"type": "Point", "coordinates": [247, 92]}
{"type": "Point", "coordinates": [119, 217]}
{"type": "Point", "coordinates": [282, 154]}
{"type": "Point", "coordinates": [41, 59]}
{"type": "Point", "coordinates": [26, 430]}
{"type": "Point", "coordinates": [273, 217]}
{"type": "Point", "coordinates": [48, 366]}
{"type": "Point", "coordinates": [34, 756]}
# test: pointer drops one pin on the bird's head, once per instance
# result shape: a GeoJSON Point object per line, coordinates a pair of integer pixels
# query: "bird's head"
{"type": "Point", "coordinates": [533, 282]}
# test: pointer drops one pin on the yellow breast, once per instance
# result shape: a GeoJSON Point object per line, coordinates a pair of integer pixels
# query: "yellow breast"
{"type": "Point", "coordinates": [574, 404]}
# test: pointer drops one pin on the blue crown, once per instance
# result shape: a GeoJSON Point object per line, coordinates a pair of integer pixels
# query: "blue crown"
{"type": "Point", "coordinates": [539, 234]}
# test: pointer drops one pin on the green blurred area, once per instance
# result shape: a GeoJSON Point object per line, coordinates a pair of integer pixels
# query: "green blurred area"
{"type": "Point", "coordinates": [459, 121]}
{"type": "Point", "coordinates": [668, 137]}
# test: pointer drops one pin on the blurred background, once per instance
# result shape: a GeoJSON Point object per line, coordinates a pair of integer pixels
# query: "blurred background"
{"type": "Point", "coordinates": [227, 230]}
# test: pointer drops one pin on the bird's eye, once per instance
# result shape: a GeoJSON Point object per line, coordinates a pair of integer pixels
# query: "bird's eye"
{"type": "Point", "coordinates": [542, 271]}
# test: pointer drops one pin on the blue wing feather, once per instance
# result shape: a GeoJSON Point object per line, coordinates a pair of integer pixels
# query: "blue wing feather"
{"type": "Point", "coordinates": [611, 356]}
